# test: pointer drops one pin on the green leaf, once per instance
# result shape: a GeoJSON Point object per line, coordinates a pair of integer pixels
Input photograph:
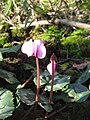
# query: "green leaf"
{"type": "Point", "coordinates": [27, 96]}
{"type": "Point", "coordinates": [81, 91]}
{"type": "Point", "coordinates": [27, 19]}
{"type": "Point", "coordinates": [63, 97]}
{"type": "Point", "coordinates": [24, 4]}
{"type": "Point", "coordinates": [59, 83]}
{"type": "Point", "coordinates": [27, 66]}
{"type": "Point", "coordinates": [8, 7]}
{"type": "Point", "coordinates": [77, 92]}
{"type": "Point", "coordinates": [10, 49]}
{"type": "Point", "coordinates": [8, 76]}
{"type": "Point", "coordinates": [44, 78]}
{"type": "Point", "coordinates": [85, 76]}
{"type": "Point", "coordinates": [74, 93]}
{"type": "Point", "coordinates": [44, 103]}
{"type": "Point", "coordinates": [6, 103]}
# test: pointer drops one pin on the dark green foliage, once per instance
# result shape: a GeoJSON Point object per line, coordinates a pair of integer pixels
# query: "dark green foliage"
{"type": "Point", "coordinates": [74, 92]}
{"type": "Point", "coordinates": [8, 76]}
{"type": "Point", "coordinates": [28, 97]}
{"type": "Point", "coordinates": [59, 83]}
{"type": "Point", "coordinates": [65, 90]}
{"type": "Point", "coordinates": [85, 76]}
{"type": "Point", "coordinates": [6, 103]}
{"type": "Point", "coordinates": [10, 49]}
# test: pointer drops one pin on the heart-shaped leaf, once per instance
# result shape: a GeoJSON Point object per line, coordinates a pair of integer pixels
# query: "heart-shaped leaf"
{"type": "Point", "coordinates": [27, 66]}
{"type": "Point", "coordinates": [8, 76]}
{"type": "Point", "coordinates": [10, 49]}
{"type": "Point", "coordinates": [59, 83]}
{"type": "Point", "coordinates": [63, 97]}
{"type": "Point", "coordinates": [6, 103]}
{"type": "Point", "coordinates": [27, 96]}
{"type": "Point", "coordinates": [85, 76]}
{"type": "Point", "coordinates": [44, 103]}
{"type": "Point", "coordinates": [77, 92]}
{"type": "Point", "coordinates": [44, 78]}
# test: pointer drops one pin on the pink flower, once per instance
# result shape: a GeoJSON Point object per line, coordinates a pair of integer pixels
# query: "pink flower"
{"type": "Point", "coordinates": [49, 67]}
{"type": "Point", "coordinates": [34, 48]}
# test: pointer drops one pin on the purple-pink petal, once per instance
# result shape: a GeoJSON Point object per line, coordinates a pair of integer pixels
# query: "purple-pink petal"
{"type": "Point", "coordinates": [34, 48]}
{"type": "Point", "coordinates": [49, 67]}
{"type": "Point", "coordinates": [38, 42]}
{"type": "Point", "coordinates": [28, 48]}
{"type": "Point", "coordinates": [41, 51]}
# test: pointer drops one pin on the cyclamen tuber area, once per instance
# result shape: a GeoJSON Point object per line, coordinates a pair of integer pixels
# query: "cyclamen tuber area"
{"type": "Point", "coordinates": [44, 59]}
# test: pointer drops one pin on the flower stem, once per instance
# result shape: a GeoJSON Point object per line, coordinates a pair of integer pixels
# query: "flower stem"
{"type": "Point", "coordinates": [38, 81]}
{"type": "Point", "coordinates": [51, 92]}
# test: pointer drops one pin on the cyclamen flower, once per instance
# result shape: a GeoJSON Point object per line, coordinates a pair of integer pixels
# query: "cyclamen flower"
{"type": "Point", "coordinates": [49, 67]}
{"type": "Point", "coordinates": [34, 48]}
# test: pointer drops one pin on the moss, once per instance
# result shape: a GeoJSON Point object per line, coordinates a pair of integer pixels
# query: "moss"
{"type": "Point", "coordinates": [3, 38]}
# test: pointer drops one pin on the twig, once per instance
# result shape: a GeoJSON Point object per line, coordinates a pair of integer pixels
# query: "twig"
{"type": "Point", "coordinates": [73, 23]}
{"type": "Point", "coordinates": [69, 59]}
{"type": "Point", "coordinates": [28, 112]}
{"type": "Point", "coordinates": [15, 5]}
{"type": "Point", "coordinates": [6, 19]}
{"type": "Point", "coordinates": [27, 81]}
{"type": "Point", "coordinates": [58, 21]}
{"type": "Point", "coordinates": [57, 111]}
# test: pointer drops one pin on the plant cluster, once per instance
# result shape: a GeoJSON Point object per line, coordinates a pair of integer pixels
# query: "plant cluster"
{"type": "Point", "coordinates": [60, 86]}
{"type": "Point", "coordinates": [28, 84]}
